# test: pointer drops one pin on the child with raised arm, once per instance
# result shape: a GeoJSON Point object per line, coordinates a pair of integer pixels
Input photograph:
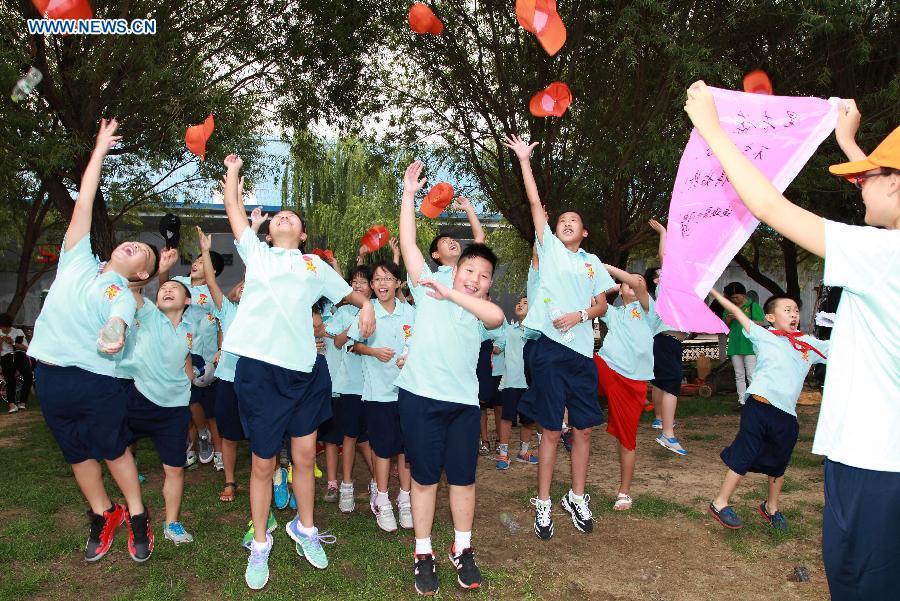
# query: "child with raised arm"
{"type": "Point", "coordinates": [77, 339]}
{"type": "Point", "coordinates": [280, 381]}
{"type": "Point", "coordinates": [624, 365]}
{"type": "Point", "coordinates": [860, 416]}
{"type": "Point", "coordinates": [668, 368]}
{"type": "Point", "coordinates": [228, 419]}
{"type": "Point", "coordinates": [159, 363]}
{"type": "Point", "coordinates": [769, 429]}
{"type": "Point", "coordinates": [394, 327]}
{"type": "Point", "coordinates": [570, 296]}
{"type": "Point", "coordinates": [438, 396]}
{"type": "Point", "coordinates": [445, 249]}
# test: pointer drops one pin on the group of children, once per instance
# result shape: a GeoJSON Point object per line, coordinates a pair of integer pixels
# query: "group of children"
{"type": "Point", "coordinates": [294, 356]}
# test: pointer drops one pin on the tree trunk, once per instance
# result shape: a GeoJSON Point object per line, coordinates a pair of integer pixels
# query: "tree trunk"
{"type": "Point", "coordinates": [791, 274]}
{"type": "Point", "coordinates": [102, 238]}
{"type": "Point", "coordinates": [756, 275]}
{"type": "Point", "coordinates": [33, 227]}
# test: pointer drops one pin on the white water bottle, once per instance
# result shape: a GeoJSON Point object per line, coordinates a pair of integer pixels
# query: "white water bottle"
{"type": "Point", "coordinates": [25, 86]}
{"type": "Point", "coordinates": [555, 314]}
{"type": "Point", "coordinates": [110, 333]}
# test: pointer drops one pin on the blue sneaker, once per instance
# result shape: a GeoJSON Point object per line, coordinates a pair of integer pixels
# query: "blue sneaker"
{"type": "Point", "coordinates": [503, 462]}
{"type": "Point", "coordinates": [725, 516]}
{"type": "Point", "coordinates": [310, 546]}
{"type": "Point", "coordinates": [672, 444]}
{"type": "Point", "coordinates": [292, 501]}
{"type": "Point", "coordinates": [657, 424]}
{"type": "Point", "coordinates": [280, 491]}
{"type": "Point", "coordinates": [527, 457]}
{"type": "Point", "coordinates": [775, 520]}
{"type": "Point", "coordinates": [257, 574]}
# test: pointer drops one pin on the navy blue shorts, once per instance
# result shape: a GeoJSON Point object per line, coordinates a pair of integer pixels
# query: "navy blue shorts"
{"type": "Point", "coordinates": [383, 421]}
{"type": "Point", "coordinates": [668, 369]}
{"type": "Point", "coordinates": [439, 436]}
{"type": "Point", "coordinates": [275, 401]}
{"type": "Point", "coordinates": [861, 533]}
{"type": "Point", "coordinates": [509, 400]}
{"type": "Point", "coordinates": [206, 395]}
{"type": "Point", "coordinates": [330, 431]}
{"type": "Point", "coordinates": [228, 417]}
{"type": "Point", "coordinates": [489, 391]}
{"type": "Point", "coordinates": [167, 427]}
{"type": "Point", "coordinates": [561, 379]}
{"type": "Point", "coordinates": [526, 354]}
{"type": "Point", "coordinates": [353, 417]}
{"type": "Point", "coordinates": [84, 411]}
{"type": "Point", "coordinates": [764, 442]}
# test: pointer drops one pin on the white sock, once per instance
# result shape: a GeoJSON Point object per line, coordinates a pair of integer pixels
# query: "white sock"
{"type": "Point", "coordinates": [423, 546]}
{"type": "Point", "coordinates": [545, 502]}
{"type": "Point", "coordinates": [462, 540]}
{"type": "Point", "coordinates": [258, 546]}
{"type": "Point", "coordinates": [382, 499]}
{"type": "Point", "coordinates": [346, 485]}
{"type": "Point", "coordinates": [504, 449]}
{"type": "Point", "coordinates": [403, 496]}
{"type": "Point", "coordinates": [576, 498]}
{"type": "Point", "coordinates": [524, 446]}
{"type": "Point", "coordinates": [304, 530]}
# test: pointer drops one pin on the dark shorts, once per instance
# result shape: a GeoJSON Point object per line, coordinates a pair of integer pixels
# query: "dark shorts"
{"type": "Point", "coordinates": [667, 367]}
{"type": "Point", "coordinates": [206, 395]}
{"type": "Point", "coordinates": [84, 411]}
{"type": "Point", "coordinates": [353, 417]}
{"type": "Point", "coordinates": [488, 391]}
{"type": "Point", "coordinates": [383, 421]}
{"type": "Point", "coordinates": [167, 427]}
{"type": "Point", "coordinates": [439, 436]}
{"type": "Point", "coordinates": [861, 533]}
{"type": "Point", "coordinates": [509, 400]}
{"type": "Point", "coordinates": [330, 431]}
{"type": "Point", "coordinates": [526, 353]}
{"type": "Point", "coordinates": [561, 379]}
{"type": "Point", "coordinates": [764, 442]}
{"type": "Point", "coordinates": [274, 401]}
{"type": "Point", "coordinates": [228, 417]}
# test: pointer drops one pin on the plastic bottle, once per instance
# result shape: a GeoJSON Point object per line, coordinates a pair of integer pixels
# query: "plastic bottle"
{"type": "Point", "coordinates": [555, 314]}
{"type": "Point", "coordinates": [510, 522]}
{"type": "Point", "coordinates": [111, 332]}
{"type": "Point", "coordinates": [25, 86]}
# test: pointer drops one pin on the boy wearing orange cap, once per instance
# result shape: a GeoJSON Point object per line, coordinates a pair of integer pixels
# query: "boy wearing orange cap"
{"type": "Point", "coordinates": [860, 415]}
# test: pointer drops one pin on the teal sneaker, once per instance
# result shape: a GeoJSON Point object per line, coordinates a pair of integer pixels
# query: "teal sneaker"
{"type": "Point", "coordinates": [257, 574]}
{"type": "Point", "coordinates": [280, 489]}
{"type": "Point", "coordinates": [271, 525]}
{"type": "Point", "coordinates": [310, 546]}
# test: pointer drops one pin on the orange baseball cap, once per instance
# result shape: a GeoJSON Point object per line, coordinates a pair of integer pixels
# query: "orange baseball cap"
{"type": "Point", "coordinates": [375, 238]}
{"type": "Point", "coordinates": [887, 154]}
{"type": "Point", "coordinates": [540, 18]}
{"type": "Point", "coordinates": [553, 100]}
{"type": "Point", "coordinates": [422, 20]}
{"type": "Point", "coordinates": [438, 198]}
{"type": "Point", "coordinates": [196, 136]}
{"type": "Point", "coordinates": [757, 82]}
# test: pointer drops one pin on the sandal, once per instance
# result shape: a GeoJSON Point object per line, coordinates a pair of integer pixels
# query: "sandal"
{"type": "Point", "coordinates": [623, 502]}
{"type": "Point", "coordinates": [227, 496]}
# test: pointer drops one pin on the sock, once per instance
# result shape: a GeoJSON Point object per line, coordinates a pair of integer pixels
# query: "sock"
{"type": "Point", "coordinates": [403, 496]}
{"type": "Point", "coordinates": [524, 446]}
{"type": "Point", "coordinates": [304, 530]}
{"type": "Point", "coordinates": [461, 540]}
{"type": "Point", "coordinates": [346, 485]}
{"type": "Point", "coordinates": [258, 546]}
{"type": "Point", "coordinates": [382, 499]}
{"type": "Point", "coordinates": [423, 546]}
{"type": "Point", "coordinates": [576, 498]}
{"type": "Point", "coordinates": [545, 502]}
{"type": "Point", "coordinates": [332, 484]}
{"type": "Point", "coordinates": [504, 449]}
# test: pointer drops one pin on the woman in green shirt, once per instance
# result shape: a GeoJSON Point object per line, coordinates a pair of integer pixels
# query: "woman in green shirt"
{"type": "Point", "coordinates": [739, 347]}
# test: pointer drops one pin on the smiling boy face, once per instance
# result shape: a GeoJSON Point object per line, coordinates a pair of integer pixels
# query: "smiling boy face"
{"type": "Point", "coordinates": [474, 276]}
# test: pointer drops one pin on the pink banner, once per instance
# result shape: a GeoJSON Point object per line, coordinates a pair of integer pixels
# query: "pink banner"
{"type": "Point", "coordinates": [708, 224]}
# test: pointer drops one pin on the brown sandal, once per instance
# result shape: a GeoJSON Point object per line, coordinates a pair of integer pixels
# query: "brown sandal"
{"type": "Point", "coordinates": [227, 494]}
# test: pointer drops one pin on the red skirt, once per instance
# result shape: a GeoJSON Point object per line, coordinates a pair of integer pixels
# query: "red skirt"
{"type": "Point", "coordinates": [626, 398]}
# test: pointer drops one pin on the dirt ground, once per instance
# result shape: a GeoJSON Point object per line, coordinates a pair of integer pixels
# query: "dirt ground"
{"type": "Point", "coordinates": [636, 555]}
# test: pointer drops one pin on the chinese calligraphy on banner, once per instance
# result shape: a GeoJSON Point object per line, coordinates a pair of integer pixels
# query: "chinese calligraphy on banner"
{"type": "Point", "coordinates": [708, 224]}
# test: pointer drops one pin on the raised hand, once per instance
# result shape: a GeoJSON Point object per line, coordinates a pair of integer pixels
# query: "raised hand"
{"type": "Point", "coordinates": [411, 181]}
{"type": "Point", "coordinates": [106, 138]}
{"type": "Point", "coordinates": [656, 225]}
{"type": "Point", "coordinates": [701, 108]}
{"type": "Point", "coordinates": [437, 290]}
{"type": "Point", "coordinates": [167, 259]}
{"type": "Point", "coordinates": [461, 203]}
{"type": "Point", "coordinates": [204, 239]}
{"type": "Point", "coordinates": [519, 146]}
{"type": "Point", "coordinates": [233, 163]}
{"type": "Point", "coordinates": [257, 218]}
{"type": "Point", "coordinates": [848, 120]}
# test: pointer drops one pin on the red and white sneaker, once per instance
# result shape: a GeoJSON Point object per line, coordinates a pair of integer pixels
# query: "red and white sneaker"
{"type": "Point", "coordinates": [103, 529]}
{"type": "Point", "coordinates": [140, 536]}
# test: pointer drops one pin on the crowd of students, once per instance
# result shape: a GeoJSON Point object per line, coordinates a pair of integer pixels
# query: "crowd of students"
{"type": "Point", "coordinates": [295, 355]}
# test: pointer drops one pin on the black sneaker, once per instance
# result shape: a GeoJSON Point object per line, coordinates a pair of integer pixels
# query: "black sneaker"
{"type": "Point", "coordinates": [581, 513]}
{"type": "Point", "coordinates": [543, 520]}
{"type": "Point", "coordinates": [426, 575]}
{"type": "Point", "coordinates": [467, 573]}
{"type": "Point", "coordinates": [103, 527]}
{"type": "Point", "coordinates": [140, 536]}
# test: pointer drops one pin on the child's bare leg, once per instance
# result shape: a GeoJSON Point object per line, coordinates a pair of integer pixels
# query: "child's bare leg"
{"type": "Point", "coordinates": [349, 456]}
{"type": "Point", "coordinates": [403, 472]}
{"type": "Point", "coordinates": [173, 488]}
{"type": "Point", "coordinates": [626, 469]}
{"type": "Point", "coordinates": [89, 477]}
{"type": "Point", "coordinates": [424, 498]}
{"type": "Point", "coordinates": [775, 485]}
{"type": "Point", "coordinates": [547, 462]}
{"type": "Point", "coordinates": [124, 472]}
{"type": "Point", "coordinates": [484, 432]}
{"type": "Point", "coordinates": [303, 455]}
{"type": "Point", "coordinates": [732, 479]}
{"type": "Point", "coordinates": [505, 431]}
{"type": "Point", "coordinates": [657, 396]}
{"type": "Point", "coordinates": [669, 404]}
{"type": "Point", "coordinates": [229, 458]}
{"type": "Point", "coordinates": [382, 472]}
{"type": "Point", "coordinates": [581, 454]}
{"type": "Point", "coordinates": [331, 462]}
{"type": "Point", "coordinates": [368, 456]}
{"type": "Point", "coordinates": [261, 471]}
{"type": "Point", "coordinates": [214, 433]}
{"type": "Point", "coordinates": [498, 419]}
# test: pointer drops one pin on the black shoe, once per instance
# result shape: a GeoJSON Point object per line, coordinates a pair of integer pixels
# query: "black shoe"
{"type": "Point", "coordinates": [543, 520]}
{"type": "Point", "coordinates": [140, 536]}
{"type": "Point", "coordinates": [581, 513]}
{"type": "Point", "coordinates": [467, 573]}
{"type": "Point", "coordinates": [426, 575]}
{"type": "Point", "coordinates": [103, 527]}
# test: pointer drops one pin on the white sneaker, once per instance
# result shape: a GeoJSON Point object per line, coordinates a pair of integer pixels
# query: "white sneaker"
{"type": "Point", "coordinates": [385, 518]}
{"type": "Point", "coordinates": [218, 462]}
{"type": "Point", "coordinates": [346, 499]}
{"type": "Point", "coordinates": [373, 495]}
{"type": "Point", "coordinates": [12, 409]}
{"type": "Point", "coordinates": [405, 511]}
{"type": "Point", "coordinates": [191, 461]}
{"type": "Point", "coordinates": [204, 440]}
{"type": "Point", "coordinates": [21, 406]}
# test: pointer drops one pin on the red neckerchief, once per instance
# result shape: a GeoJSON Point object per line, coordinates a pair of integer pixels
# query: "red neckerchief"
{"type": "Point", "coordinates": [799, 345]}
